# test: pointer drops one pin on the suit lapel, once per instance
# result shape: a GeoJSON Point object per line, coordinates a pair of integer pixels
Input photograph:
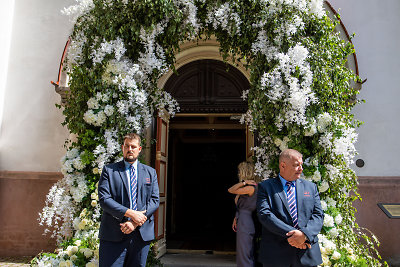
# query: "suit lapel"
{"type": "Point", "coordinates": [124, 177]}
{"type": "Point", "coordinates": [281, 193]}
{"type": "Point", "coordinates": [300, 197]}
{"type": "Point", "coordinates": [140, 180]}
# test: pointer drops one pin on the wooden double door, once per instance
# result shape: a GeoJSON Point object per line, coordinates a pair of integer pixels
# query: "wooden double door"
{"type": "Point", "coordinates": [197, 153]}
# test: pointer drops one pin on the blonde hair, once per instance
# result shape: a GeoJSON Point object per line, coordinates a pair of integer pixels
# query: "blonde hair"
{"type": "Point", "coordinates": [246, 171]}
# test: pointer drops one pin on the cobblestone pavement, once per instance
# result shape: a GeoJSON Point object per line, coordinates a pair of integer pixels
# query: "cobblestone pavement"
{"type": "Point", "coordinates": [15, 261]}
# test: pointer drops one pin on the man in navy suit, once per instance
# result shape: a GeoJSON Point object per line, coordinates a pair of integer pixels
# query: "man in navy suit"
{"type": "Point", "coordinates": [290, 212]}
{"type": "Point", "coordinates": [128, 195]}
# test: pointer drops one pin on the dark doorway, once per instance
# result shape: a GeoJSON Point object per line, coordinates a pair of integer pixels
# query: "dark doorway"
{"type": "Point", "coordinates": [202, 165]}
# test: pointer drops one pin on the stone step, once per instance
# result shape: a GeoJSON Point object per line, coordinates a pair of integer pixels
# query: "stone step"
{"type": "Point", "coordinates": [198, 260]}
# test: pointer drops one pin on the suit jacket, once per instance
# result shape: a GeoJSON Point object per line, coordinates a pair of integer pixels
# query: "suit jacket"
{"type": "Point", "coordinates": [114, 200]}
{"type": "Point", "coordinates": [274, 215]}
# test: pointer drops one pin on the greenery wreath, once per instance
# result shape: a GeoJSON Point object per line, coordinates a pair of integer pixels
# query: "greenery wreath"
{"type": "Point", "coordinates": [300, 97]}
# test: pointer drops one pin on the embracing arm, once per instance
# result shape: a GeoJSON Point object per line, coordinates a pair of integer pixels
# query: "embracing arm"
{"type": "Point", "coordinates": [243, 188]}
{"type": "Point", "coordinates": [314, 225]}
{"type": "Point", "coordinates": [107, 203]}
{"type": "Point", "coordinates": [266, 216]}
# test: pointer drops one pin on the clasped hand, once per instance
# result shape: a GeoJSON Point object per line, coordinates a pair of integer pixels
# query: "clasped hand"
{"type": "Point", "coordinates": [137, 218]}
{"type": "Point", "coordinates": [297, 239]}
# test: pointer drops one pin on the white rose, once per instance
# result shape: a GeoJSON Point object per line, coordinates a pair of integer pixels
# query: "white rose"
{"type": "Point", "coordinates": [82, 224]}
{"type": "Point", "coordinates": [336, 255]}
{"type": "Point", "coordinates": [73, 258]}
{"type": "Point", "coordinates": [352, 257]}
{"type": "Point", "coordinates": [330, 202]}
{"type": "Point", "coordinates": [92, 103]}
{"type": "Point", "coordinates": [88, 253]}
{"type": "Point", "coordinates": [322, 249]}
{"type": "Point", "coordinates": [94, 196]}
{"type": "Point", "coordinates": [69, 263]}
{"type": "Point", "coordinates": [323, 186]}
{"type": "Point", "coordinates": [316, 176]}
{"type": "Point", "coordinates": [338, 219]}
{"type": "Point", "coordinates": [311, 130]}
{"type": "Point", "coordinates": [71, 250]}
{"type": "Point", "coordinates": [109, 110]}
{"type": "Point", "coordinates": [334, 232]}
{"type": "Point", "coordinates": [325, 261]}
{"type": "Point", "coordinates": [328, 221]}
{"type": "Point", "coordinates": [90, 264]}
{"type": "Point", "coordinates": [78, 242]}
{"type": "Point", "coordinates": [76, 223]}
{"type": "Point", "coordinates": [324, 206]}
{"type": "Point", "coordinates": [277, 141]}
{"type": "Point", "coordinates": [93, 203]}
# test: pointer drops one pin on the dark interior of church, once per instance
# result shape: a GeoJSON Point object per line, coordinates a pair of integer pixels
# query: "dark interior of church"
{"type": "Point", "coordinates": [202, 166]}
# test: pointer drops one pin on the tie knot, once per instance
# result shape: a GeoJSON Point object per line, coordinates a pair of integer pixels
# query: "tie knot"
{"type": "Point", "coordinates": [289, 184]}
{"type": "Point", "coordinates": [132, 168]}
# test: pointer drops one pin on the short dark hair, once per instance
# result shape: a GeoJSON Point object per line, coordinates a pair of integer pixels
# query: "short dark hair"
{"type": "Point", "coordinates": [131, 136]}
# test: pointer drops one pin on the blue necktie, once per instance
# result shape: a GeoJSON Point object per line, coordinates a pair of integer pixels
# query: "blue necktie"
{"type": "Point", "coordinates": [133, 184]}
{"type": "Point", "coordinates": [292, 202]}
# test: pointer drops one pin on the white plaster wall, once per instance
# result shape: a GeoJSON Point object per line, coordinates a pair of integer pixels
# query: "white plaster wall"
{"type": "Point", "coordinates": [31, 135]}
{"type": "Point", "coordinates": [377, 43]}
{"type": "Point", "coordinates": [6, 17]}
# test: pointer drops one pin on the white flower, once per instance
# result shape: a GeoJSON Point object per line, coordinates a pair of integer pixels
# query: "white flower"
{"type": "Point", "coordinates": [329, 246]}
{"type": "Point", "coordinates": [92, 103]}
{"type": "Point", "coordinates": [352, 257]}
{"type": "Point", "coordinates": [93, 203]}
{"type": "Point", "coordinates": [333, 232]}
{"type": "Point", "coordinates": [109, 110]}
{"type": "Point", "coordinates": [330, 202]}
{"type": "Point", "coordinates": [323, 186]}
{"type": "Point", "coordinates": [311, 130]}
{"type": "Point", "coordinates": [73, 258]}
{"type": "Point", "coordinates": [336, 255]}
{"type": "Point", "coordinates": [316, 176]}
{"type": "Point", "coordinates": [87, 252]}
{"type": "Point", "coordinates": [71, 250]}
{"type": "Point", "coordinates": [82, 224]}
{"type": "Point", "coordinates": [316, 7]}
{"type": "Point", "coordinates": [323, 121]}
{"type": "Point", "coordinates": [77, 162]}
{"type": "Point", "coordinates": [338, 219]}
{"type": "Point", "coordinates": [324, 206]}
{"type": "Point", "coordinates": [72, 153]}
{"type": "Point", "coordinates": [328, 221]}
{"type": "Point", "coordinates": [78, 242]}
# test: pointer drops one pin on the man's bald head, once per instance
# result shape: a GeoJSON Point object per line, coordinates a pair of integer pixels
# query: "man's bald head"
{"type": "Point", "coordinates": [290, 164]}
{"type": "Point", "coordinates": [289, 154]}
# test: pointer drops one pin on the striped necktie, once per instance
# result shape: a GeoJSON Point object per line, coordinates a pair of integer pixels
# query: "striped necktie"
{"type": "Point", "coordinates": [133, 184]}
{"type": "Point", "coordinates": [292, 202]}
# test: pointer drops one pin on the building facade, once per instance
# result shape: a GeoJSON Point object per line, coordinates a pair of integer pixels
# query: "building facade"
{"type": "Point", "coordinates": [32, 137]}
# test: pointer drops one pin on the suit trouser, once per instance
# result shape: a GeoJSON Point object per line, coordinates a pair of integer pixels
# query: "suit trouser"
{"type": "Point", "coordinates": [131, 252]}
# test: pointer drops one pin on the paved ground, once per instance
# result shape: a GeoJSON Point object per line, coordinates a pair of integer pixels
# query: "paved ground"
{"type": "Point", "coordinates": [198, 260]}
{"type": "Point", "coordinates": [169, 260]}
{"type": "Point", "coordinates": [15, 261]}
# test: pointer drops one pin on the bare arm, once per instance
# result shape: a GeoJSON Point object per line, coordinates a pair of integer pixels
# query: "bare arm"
{"type": "Point", "coordinates": [243, 188]}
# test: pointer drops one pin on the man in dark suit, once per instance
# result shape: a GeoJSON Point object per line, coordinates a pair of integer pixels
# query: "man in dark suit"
{"type": "Point", "coordinates": [128, 195]}
{"type": "Point", "coordinates": [290, 212]}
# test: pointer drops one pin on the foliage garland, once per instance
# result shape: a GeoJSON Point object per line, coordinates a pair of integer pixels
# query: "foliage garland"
{"type": "Point", "coordinates": [300, 97]}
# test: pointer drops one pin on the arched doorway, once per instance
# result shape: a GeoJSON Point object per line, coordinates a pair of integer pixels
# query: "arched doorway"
{"type": "Point", "coordinates": [206, 143]}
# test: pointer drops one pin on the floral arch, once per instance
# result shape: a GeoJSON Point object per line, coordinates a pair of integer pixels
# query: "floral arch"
{"type": "Point", "coordinates": [300, 97]}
